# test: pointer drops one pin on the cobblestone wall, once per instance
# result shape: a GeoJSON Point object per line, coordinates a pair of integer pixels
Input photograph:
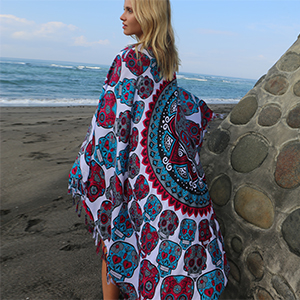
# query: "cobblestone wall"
{"type": "Point", "coordinates": [252, 163]}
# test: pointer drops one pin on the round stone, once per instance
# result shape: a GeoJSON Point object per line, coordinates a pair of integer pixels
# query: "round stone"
{"type": "Point", "coordinates": [244, 111]}
{"type": "Point", "coordinates": [254, 207]}
{"type": "Point", "coordinates": [220, 190]}
{"type": "Point", "coordinates": [249, 153]}
{"type": "Point", "coordinates": [293, 119]}
{"type": "Point", "coordinates": [277, 85]}
{"type": "Point", "coordinates": [287, 172]}
{"type": "Point", "coordinates": [237, 245]}
{"type": "Point", "coordinates": [262, 294]}
{"type": "Point", "coordinates": [290, 62]}
{"type": "Point", "coordinates": [234, 271]}
{"type": "Point", "coordinates": [255, 265]}
{"type": "Point", "coordinates": [297, 88]}
{"type": "Point", "coordinates": [290, 230]}
{"type": "Point", "coordinates": [282, 288]}
{"type": "Point", "coordinates": [218, 141]}
{"type": "Point", "coordinates": [269, 115]}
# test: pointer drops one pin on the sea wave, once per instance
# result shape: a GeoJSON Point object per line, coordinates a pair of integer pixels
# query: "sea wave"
{"type": "Point", "coordinates": [48, 102]}
{"type": "Point", "coordinates": [61, 66]}
{"type": "Point", "coordinates": [88, 67]}
{"type": "Point", "coordinates": [13, 62]}
{"type": "Point", "coordinates": [190, 78]}
{"type": "Point", "coordinates": [80, 67]}
{"type": "Point", "coordinates": [93, 68]}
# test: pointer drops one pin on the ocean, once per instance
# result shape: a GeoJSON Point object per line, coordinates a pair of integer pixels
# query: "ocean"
{"type": "Point", "coordinates": [30, 82]}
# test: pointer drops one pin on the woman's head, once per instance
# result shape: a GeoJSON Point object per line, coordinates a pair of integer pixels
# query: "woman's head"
{"type": "Point", "coordinates": [154, 18]}
{"type": "Point", "coordinates": [130, 24]}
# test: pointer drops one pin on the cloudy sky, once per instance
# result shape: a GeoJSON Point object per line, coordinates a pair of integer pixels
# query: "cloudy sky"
{"type": "Point", "coordinates": [241, 38]}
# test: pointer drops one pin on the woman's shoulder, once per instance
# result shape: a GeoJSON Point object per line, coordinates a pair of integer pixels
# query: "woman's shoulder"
{"type": "Point", "coordinates": [134, 50]}
{"type": "Point", "coordinates": [137, 61]}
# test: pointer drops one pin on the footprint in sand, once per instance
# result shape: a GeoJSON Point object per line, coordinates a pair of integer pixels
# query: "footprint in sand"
{"type": "Point", "coordinates": [39, 155]}
{"type": "Point", "coordinates": [34, 226]}
{"type": "Point", "coordinates": [38, 138]}
{"type": "Point", "coordinates": [70, 247]}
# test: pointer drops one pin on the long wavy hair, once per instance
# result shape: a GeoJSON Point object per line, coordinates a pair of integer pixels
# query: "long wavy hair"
{"type": "Point", "coordinates": [154, 16]}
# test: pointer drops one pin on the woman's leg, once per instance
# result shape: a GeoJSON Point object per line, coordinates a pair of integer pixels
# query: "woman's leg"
{"type": "Point", "coordinates": [109, 289]}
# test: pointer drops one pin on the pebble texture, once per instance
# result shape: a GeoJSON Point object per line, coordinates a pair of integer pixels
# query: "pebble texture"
{"type": "Point", "coordinates": [269, 115]}
{"type": "Point", "coordinates": [249, 153]}
{"type": "Point", "coordinates": [263, 295]}
{"type": "Point", "coordinates": [255, 265]}
{"type": "Point", "coordinates": [252, 162]}
{"type": "Point", "coordinates": [244, 111]}
{"type": "Point", "coordinates": [290, 231]}
{"type": "Point", "coordinates": [254, 207]}
{"type": "Point", "coordinates": [220, 190]}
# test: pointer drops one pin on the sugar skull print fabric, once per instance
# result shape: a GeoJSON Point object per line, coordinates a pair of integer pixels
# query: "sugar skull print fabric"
{"type": "Point", "coordinates": [139, 178]}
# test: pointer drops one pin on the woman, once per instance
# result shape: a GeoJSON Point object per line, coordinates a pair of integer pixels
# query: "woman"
{"type": "Point", "coordinates": [139, 176]}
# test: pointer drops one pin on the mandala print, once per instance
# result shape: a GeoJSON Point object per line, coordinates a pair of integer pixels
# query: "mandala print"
{"type": "Point", "coordinates": [166, 154]}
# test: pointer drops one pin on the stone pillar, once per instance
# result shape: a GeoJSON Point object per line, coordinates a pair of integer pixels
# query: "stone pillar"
{"type": "Point", "coordinates": [252, 164]}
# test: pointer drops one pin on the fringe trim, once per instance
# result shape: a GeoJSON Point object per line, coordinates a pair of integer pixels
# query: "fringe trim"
{"type": "Point", "coordinates": [77, 202]}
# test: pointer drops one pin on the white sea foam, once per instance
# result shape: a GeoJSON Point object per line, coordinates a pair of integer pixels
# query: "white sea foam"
{"type": "Point", "coordinates": [190, 78]}
{"type": "Point", "coordinates": [88, 67]}
{"type": "Point", "coordinates": [93, 68]}
{"type": "Point", "coordinates": [12, 62]}
{"type": "Point", "coordinates": [61, 66]}
{"type": "Point", "coordinates": [48, 102]}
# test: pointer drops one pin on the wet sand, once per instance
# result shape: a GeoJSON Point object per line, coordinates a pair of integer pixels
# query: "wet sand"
{"type": "Point", "coordinates": [46, 250]}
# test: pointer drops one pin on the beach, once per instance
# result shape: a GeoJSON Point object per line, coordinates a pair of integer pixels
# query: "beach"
{"type": "Point", "coordinates": [46, 250]}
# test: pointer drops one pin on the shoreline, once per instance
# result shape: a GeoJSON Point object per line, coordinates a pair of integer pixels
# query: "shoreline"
{"type": "Point", "coordinates": [46, 250]}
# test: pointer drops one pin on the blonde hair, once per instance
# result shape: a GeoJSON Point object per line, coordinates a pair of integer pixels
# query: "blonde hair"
{"type": "Point", "coordinates": [154, 16]}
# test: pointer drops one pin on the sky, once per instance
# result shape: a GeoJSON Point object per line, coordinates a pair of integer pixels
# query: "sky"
{"type": "Point", "coordinates": [240, 38]}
